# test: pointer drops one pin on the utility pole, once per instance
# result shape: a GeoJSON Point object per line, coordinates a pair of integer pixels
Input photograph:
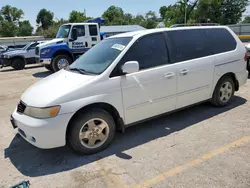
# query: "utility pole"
{"type": "Point", "coordinates": [85, 13]}
{"type": "Point", "coordinates": [185, 19]}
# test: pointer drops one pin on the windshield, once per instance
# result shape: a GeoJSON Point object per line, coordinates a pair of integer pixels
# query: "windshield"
{"type": "Point", "coordinates": [26, 46]}
{"type": "Point", "coordinates": [63, 31]}
{"type": "Point", "coordinates": [98, 58]}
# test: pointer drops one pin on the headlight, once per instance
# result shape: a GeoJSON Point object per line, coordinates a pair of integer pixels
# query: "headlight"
{"type": "Point", "coordinates": [45, 51]}
{"type": "Point", "coordinates": [6, 56]}
{"type": "Point", "coordinates": [42, 113]}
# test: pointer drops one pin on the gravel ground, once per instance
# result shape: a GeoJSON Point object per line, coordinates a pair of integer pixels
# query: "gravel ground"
{"type": "Point", "coordinates": [201, 146]}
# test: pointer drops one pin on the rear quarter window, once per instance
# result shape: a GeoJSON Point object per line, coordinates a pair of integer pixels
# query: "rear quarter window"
{"type": "Point", "coordinates": [221, 40]}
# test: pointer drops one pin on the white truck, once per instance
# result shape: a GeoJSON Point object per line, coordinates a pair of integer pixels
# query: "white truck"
{"type": "Point", "coordinates": [72, 40]}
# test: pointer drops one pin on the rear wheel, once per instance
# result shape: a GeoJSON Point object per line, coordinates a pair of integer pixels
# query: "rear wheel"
{"type": "Point", "coordinates": [61, 62]}
{"type": "Point", "coordinates": [18, 64]}
{"type": "Point", "coordinates": [224, 92]}
{"type": "Point", "coordinates": [91, 132]}
{"type": "Point", "coordinates": [49, 67]}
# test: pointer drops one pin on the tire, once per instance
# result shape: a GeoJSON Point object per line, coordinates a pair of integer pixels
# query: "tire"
{"type": "Point", "coordinates": [48, 67]}
{"type": "Point", "coordinates": [18, 64]}
{"type": "Point", "coordinates": [56, 61]}
{"type": "Point", "coordinates": [83, 124]}
{"type": "Point", "coordinates": [219, 93]}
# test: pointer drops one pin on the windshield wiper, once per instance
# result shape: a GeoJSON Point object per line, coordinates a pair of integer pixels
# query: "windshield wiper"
{"type": "Point", "coordinates": [82, 71]}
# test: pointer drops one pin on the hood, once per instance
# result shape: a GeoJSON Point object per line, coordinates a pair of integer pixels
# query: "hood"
{"type": "Point", "coordinates": [247, 46]}
{"type": "Point", "coordinates": [51, 42]}
{"type": "Point", "coordinates": [45, 92]}
{"type": "Point", "coordinates": [15, 52]}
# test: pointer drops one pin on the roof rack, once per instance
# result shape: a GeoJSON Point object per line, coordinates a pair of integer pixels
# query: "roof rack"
{"type": "Point", "coordinates": [194, 24]}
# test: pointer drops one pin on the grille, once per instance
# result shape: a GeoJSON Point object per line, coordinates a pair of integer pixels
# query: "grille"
{"type": "Point", "coordinates": [21, 107]}
{"type": "Point", "coordinates": [37, 51]}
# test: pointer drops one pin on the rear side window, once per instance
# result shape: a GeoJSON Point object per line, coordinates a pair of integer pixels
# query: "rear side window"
{"type": "Point", "coordinates": [93, 30]}
{"type": "Point", "coordinates": [188, 44]}
{"type": "Point", "coordinates": [150, 51]}
{"type": "Point", "coordinates": [221, 40]}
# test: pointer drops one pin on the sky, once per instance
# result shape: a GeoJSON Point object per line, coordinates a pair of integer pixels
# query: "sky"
{"type": "Point", "coordinates": [62, 8]}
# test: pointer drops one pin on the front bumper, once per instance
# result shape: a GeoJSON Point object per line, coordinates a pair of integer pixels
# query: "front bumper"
{"type": "Point", "coordinates": [44, 61]}
{"type": "Point", "coordinates": [42, 133]}
{"type": "Point", "coordinates": [5, 62]}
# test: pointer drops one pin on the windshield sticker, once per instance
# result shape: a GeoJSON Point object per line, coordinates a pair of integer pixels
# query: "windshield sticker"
{"type": "Point", "coordinates": [118, 47]}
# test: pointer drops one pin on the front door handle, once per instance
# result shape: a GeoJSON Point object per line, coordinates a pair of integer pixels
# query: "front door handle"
{"type": "Point", "coordinates": [86, 44]}
{"type": "Point", "coordinates": [169, 75]}
{"type": "Point", "coordinates": [183, 72]}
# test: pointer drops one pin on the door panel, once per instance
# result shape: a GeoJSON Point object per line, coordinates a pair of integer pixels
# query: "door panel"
{"type": "Point", "coordinates": [196, 83]}
{"type": "Point", "coordinates": [152, 90]}
{"type": "Point", "coordinates": [190, 50]}
{"type": "Point", "coordinates": [148, 93]}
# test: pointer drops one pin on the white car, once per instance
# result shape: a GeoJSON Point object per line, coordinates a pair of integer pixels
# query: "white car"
{"type": "Point", "coordinates": [129, 78]}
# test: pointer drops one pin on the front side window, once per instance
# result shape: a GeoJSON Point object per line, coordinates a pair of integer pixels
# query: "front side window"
{"type": "Point", "coordinates": [150, 51]}
{"type": "Point", "coordinates": [80, 30]}
{"type": "Point", "coordinates": [32, 46]}
{"type": "Point", "coordinates": [98, 58]}
{"type": "Point", "coordinates": [63, 31]}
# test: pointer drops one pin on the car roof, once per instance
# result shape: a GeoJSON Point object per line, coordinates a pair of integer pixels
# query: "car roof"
{"type": "Point", "coordinates": [138, 34]}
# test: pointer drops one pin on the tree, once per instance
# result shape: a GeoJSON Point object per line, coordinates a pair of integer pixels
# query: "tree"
{"type": "Point", "coordinates": [223, 11]}
{"type": "Point", "coordinates": [114, 16]}
{"type": "Point", "coordinates": [151, 20]}
{"type": "Point", "coordinates": [246, 19]}
{"type": "Point", "coordinates": [11, 14]}
{"type": "Point", "coordinates": [25, 28]}
{"type": "Point", "coordinates": [45, 18]}
{"type": "Point", "coordinates": [75, 17]}
{"type": "Point", "coordinates": [8, 29]}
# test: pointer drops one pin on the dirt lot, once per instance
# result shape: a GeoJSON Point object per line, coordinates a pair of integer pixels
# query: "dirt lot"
{"type": "Point", "coordinates": [198, 147]}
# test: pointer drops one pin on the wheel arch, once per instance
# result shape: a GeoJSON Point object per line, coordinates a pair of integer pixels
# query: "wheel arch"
{"type": "Point", "coordinates": [18, 57]}
{"type": "Point", "coordinates": [233, 76]}
{"type": "Point", "coordinates": [63, 52]}
{"type": "Point", "coordinates": [100, 105]}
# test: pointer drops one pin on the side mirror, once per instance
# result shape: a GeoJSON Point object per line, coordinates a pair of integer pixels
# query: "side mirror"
{"type": "Point", "coordinates": [74, 34]}
{"type": "Point", "coordinates": [130, 67]}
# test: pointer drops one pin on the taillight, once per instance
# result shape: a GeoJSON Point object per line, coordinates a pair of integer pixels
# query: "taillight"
{"type": "Point", "coordinates": [245, 58]}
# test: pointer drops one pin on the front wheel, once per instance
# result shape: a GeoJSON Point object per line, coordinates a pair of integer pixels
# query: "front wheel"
{"type": "Point", "coordinates": [224, 92]}
{"type": "Point", "coordinates": [61, 62]}
{"type": "Point", "coordinates": [91, 132]}
{"type": "Point", "coordinates": [18, 64]}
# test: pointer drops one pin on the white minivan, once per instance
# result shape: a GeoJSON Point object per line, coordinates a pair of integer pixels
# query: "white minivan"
{"type": "Point", "coordinates": [129, 78]}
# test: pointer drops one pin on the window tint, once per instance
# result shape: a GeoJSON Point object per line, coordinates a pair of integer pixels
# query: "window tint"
{"type": "Point", "coordinates": [188, 44]}
{"type": "Point", "coordinates": [149, 51]}
{"type": "Point", "coordinates": [221, 40]}
{"type": "Point", "coordinates": [80, 30]}
{"type": "Point", "coordinates": [93, 30]}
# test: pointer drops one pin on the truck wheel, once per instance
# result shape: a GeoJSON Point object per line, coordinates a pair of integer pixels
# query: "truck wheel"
{"type": "Point", "coordinates": [18, 64]}
{"type": "Point", "coordinates": [61, 62]}
{"type": "Point", "coordinates": [91, 132]}
{"type": "Point", "coordinates": [48, 67]}
{"type": "Point", "coordinates": [224, 92]}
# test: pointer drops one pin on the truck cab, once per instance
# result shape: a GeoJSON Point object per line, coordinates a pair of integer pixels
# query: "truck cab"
{"type": "Point", "coordinates": [72, 40]}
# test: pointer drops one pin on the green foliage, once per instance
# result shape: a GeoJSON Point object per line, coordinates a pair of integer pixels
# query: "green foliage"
{"type": "Point", "coordinates": [25, 28]}
{"type": "Point", "coordinates": [114, 16]}
{"type": "Point", "coordinates": [246, 19]}
{"type": "Point", "coordinates": [77, 17]}
{"type": "Point", "coordinates": [11, 14]}
{"type": "Point", "coordinates": [45, 18]}
{"type": "Point", "coordinates": [8, 29]}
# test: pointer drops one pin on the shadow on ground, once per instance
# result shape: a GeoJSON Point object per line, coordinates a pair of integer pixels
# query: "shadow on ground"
{"type": "Point", "coordinates": [42, 74]}
{"type": "Point", "coordinates": [34, 162]}
{"type": "Point", "coordinates": [10, 69]}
